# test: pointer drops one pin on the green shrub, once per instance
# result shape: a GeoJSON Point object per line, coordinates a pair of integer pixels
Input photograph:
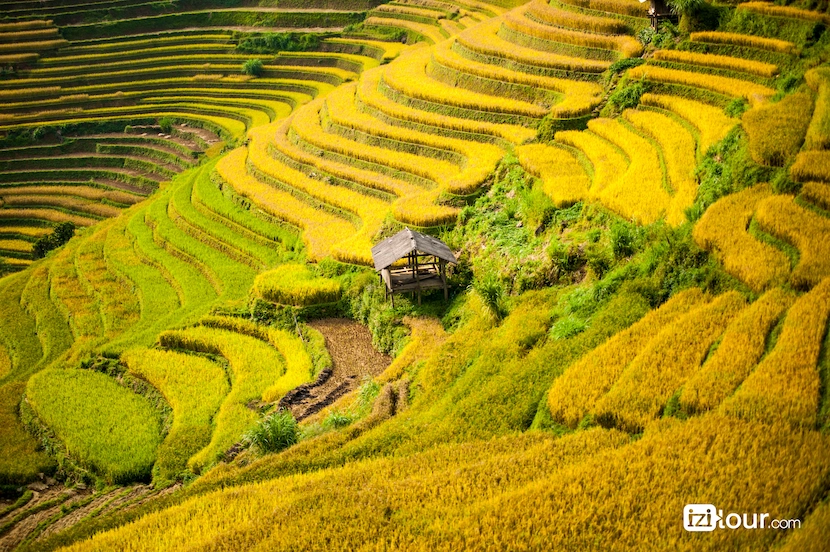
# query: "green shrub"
{"type": "Point", "coordinates": [623, 239]}
{"type": "Point", "coordinates": [273, 434]}
{"type": "Point", "coordinates": [253, 67]}
{"type": "Point", "coordinates": [491, 291]}
{"type": "Point", "coordinates": [62, 233]}
{"type": "Point", "coordinates": [274, 43]}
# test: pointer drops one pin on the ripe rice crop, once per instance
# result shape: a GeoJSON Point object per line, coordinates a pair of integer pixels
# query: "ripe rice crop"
{"type": "Point", "coordinates": [39, 46]}
{"type": "Point", "coordinates": [579, 99]}
{"type": "Point", "coordinates": [817, 194]}
{"type": "Point", "coordinates": [678, 147]}
{"type": "Point", "coordinates": [411, 10]}
{"type": "Point", "coordinates": [194, 387]}
{"type": "Point", "coordinates": [609, 162]}
{"type": "Point", "coordinates": [755, 93]}
{"type": "Point", "coordinates": [19, 58]}
{"type": "Point", "coordinates": [806, 230]}
{"type": "Point", "coordinates": [663, 365]}
{"type": "Point", "coordinates": [543, 11]}
{"type": "Point", "coordinates": [20, 246]}
{"type": "Point", "coordinates": [22, 36]}
{"type": "Point", "coordinates": [426, 334]}
{"type": "Point", "coordinates": [21, 460]}
{"type": "Point", "coordinates": [784, 388]}
{"type": "Point", "coordinates": [736, 39]}
{"type": "Point", "coordinates": [720, 62]}
{"type": "Point", "coordinates": [766, 8]}
{"type": "Point", "coordinates": [574, 393]}
{"type": "Point", "coordinates": [29, 231]}
{"type": "Point", "coordinates": [484, 39]}
{"type": "Point", "coordinates": [256, 366]}
{"type": "Point", "coordinates": [24, 25]}
{"type": "Point", "coordinates": [723, 230]}
{"type": "Point", "coordinates": [104, 426]}
{"type": "Point", "coordinates": [626, 45]}
{"type": "Point", "coordinates": [818, 133]}
{"type": "Point", "coordinates": [295, 284]}
{"type": "Point", "coordinates": [479, 160]}
{"type": "Point", "coordinates": [86, 192]}
{"type": "Point", "coordinates": [356, 248]}
{"type": "Point", "coordinates": [298, 364]}
{"type": "Point", "coordinates": [776, 131]}
{"type": "Point", "coordinates": [427, 31]}
{"type": "Point", "coordinates": [737, 354]}
{"type": "Point", "coordinates": [621, 7]}
{"type": "Point", "coordinates": [370, 95]}
{"type": "Point", "coordinates": [408, 75]}
{"type": "Point", "coordinates": [507, 492]}
{"type": "Point", "coordinates": [710, 121]}
{"type": "Point", "coordinates": [64, 202]}
{"type": "Point", "coordinates": [320, 229]}
{"type": "Point", "coordinates": [638, 194]}
{"type": "Point", "coordinates": [563, 178]}
{"type": "Point", "coordinates": [306, 123]}
{"type": "Point", "coordinates": [811, 165]}
{"type": "Point", "coordinates": [50, 215]}
{"type": "Point", "coordinates": [364, 177]}
{"type": "Point", "coordinates": [20, 93]}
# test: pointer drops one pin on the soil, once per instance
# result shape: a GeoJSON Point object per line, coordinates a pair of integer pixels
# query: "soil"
{"type": "Point", "coordinates": [354, 358]}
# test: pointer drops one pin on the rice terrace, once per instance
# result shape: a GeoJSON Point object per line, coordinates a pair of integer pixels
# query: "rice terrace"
{"type": "Point", "coordinates": [433, 275]}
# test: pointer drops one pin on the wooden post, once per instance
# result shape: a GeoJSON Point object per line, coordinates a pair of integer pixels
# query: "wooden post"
{"type": "Point", "coordinates": [417, 277]}
{"type": "Point", "coordinates": [442, 265]}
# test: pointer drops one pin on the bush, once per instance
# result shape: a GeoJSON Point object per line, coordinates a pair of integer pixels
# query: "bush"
{"type": "Point", "coordinates": [253, 67]}
{"type": "Point", "coordinates": [62, 233]}
{"type": "Point", "coordinates": [627, 96]}
{"type": "Point", "coordinates": [166, 124]}
{"type": "Point", "coordinates": [273, 434]}
{"type": "Point", "coordinates": [491, 291]}
{"type": "Point", "coordinates": [623, 240]}
{"type": "Point", "coordinates": [274, 43]}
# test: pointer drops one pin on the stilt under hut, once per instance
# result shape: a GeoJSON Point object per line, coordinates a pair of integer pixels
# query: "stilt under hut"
{"type": "Point", "coordinates": [412, 262]}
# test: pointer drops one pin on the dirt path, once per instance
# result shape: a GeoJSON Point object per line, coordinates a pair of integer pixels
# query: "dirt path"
{"type": "Point", "coordinates": [350, 346]}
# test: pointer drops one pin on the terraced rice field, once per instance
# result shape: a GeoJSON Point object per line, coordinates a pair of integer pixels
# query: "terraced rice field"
{"type": "Point", "coordinates": [217, 209]}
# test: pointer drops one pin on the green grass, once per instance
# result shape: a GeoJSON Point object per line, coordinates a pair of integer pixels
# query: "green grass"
{"type": "Point", "coordinates": [21, 460]}
{"type": "Point", "coordinates": [195, 388]}
{"type": "Point", "coordinates": [104, 426]}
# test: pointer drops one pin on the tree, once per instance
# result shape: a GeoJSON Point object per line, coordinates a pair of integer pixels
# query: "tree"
{"type": "Point", "coordinates": [253, 67]}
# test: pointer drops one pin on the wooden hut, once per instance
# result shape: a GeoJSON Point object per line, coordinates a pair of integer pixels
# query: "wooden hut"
{"type": "Point", "coordinates": [657, 10]}
{"type": "Point", "coordinates": [424, 263]}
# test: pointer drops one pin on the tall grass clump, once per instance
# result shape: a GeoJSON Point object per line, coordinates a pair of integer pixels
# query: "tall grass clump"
{"type": "Point", "coordinates": [273, 434]}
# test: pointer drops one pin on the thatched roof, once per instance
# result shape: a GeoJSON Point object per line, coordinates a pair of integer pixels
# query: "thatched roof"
{"type": "Point", "coordinates": [405, 242]}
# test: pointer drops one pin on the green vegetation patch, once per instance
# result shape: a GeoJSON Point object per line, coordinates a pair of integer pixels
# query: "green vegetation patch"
{"type": "Point", "coordinates": [21, 460]}
{"type": "Point", "coordinates": [296, 284]}
{"type": "Point", "coordinates": [104, 426]}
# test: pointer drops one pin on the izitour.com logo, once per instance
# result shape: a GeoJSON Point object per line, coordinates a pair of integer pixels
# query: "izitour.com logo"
{"type": "Point", "coordinates": [706, 517]}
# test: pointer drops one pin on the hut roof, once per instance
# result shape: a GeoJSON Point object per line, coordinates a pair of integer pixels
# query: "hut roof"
{"type": "Point", "coordinates": [405, 242]}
